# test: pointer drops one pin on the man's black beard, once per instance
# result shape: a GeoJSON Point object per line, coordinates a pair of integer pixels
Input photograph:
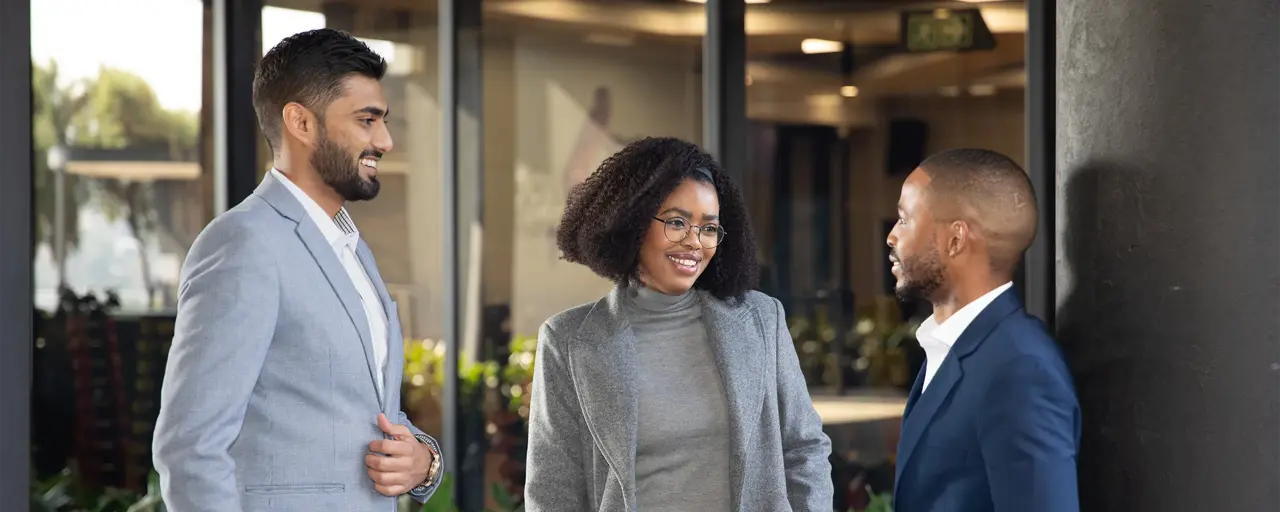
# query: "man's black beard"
{"type": "Point", "coordinates": [921, 277]}
{"type": "Point", "coordinates": [338, 170]}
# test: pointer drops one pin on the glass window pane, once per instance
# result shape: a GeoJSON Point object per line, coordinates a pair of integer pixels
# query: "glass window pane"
{"type": "Point", "coordinates": [119, 126]}
{"type": "Point", "coordinates": [402, 226]}
{"type": "Point", "coordinates": [843, 105]}
{"type": "Point", "coordinates": [566, 88]}
{"type": "Point", "coordinates": [566, 85]}
{"type": "Point", "coordinates": [123, 184]}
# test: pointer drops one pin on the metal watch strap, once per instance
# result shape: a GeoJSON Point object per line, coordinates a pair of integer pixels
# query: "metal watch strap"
{"type": "Point", "coordinates": [433, 473]}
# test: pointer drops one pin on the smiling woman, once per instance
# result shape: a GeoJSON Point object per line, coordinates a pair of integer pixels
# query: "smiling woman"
{"type": "Point", "coordinates": [683, 369]}
{"type": "Point", "coordinates": [632, 219]}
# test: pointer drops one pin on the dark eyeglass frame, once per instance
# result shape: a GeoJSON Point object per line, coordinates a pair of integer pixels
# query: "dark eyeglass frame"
{"type": "Point", "coordinates": [689, 229]}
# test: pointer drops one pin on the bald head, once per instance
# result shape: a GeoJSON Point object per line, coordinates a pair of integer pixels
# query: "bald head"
{"type": "Point", "coordinates": [990, 192]}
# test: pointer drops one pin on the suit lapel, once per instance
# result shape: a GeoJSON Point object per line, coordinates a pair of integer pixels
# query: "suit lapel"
{"type": "Point", "coordinates": [740, 352]}
{"type": "Point", "coordinates": [922, 406]}
{"type": "Point", "coordinates": [603, 364]}
{"type": "Point", "coordinates": [912, 398]}
{"type": "Point", "coordinates": [275, 194]}
{"type": "Point", "coordinates": [918, 418]}
{"type": "Point", "coordinates": [371, 269]}
{"type": "Point", "coordinates": [916, 389]}
{"type": "Point", "coordinates": [392, 374]}
{"type": "Point", "coordinates": [393, 377]}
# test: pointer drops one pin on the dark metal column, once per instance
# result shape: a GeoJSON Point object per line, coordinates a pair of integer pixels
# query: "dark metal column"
{"type": "Point", "coordinates": [1037, 265]}
{"type": "Point", "coordinates": [241, 48]}
{"type": "Point", "coordinates": [461, 150]}
{"type": "Point", "coordinates": [724, 87]}
{"type": "Point", "coordinates": [16, 313]}
{"type": "Point", "coordinates": [1168, 278]}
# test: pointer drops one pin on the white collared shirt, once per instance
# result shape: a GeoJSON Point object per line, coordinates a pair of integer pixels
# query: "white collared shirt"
{"type": "Point", "coordinates": [936, 339]}
{"type": "Point", "coordinates": [341, 233]}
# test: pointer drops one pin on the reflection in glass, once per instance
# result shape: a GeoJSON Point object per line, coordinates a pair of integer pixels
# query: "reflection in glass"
{"type": "Point", "coordinates": [843, 105]}
{"type": "Point", "coordinates": [402, 226]}
{"type": "Point", "coordinates": [566, 85]}
{"type": "Point", "coordinates": [117, 135]}
{"type": "Point", "coordinates": [122, 186]}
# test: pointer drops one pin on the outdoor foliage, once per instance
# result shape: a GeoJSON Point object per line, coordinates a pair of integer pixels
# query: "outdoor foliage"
{"type": "Point", "coordinates": [116, 110]}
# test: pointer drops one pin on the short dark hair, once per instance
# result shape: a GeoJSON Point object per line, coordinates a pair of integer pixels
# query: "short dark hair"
{"type": "Point", "coordinates": [308, 68]}
{"type": "Point", "coordinates": [990, 190]}
{"type": "Point", "coordinates": [606, 216]}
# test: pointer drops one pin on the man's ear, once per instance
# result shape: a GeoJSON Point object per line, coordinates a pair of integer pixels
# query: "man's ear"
{"type": "Point", "coordinates": [300, 123]}
{"type": "Point", "coordinates": [957, 237]}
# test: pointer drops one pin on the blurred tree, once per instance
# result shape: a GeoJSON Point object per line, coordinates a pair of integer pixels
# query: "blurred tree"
{"type": "Point", "coordinates": [117, 110]}
{"type": "Point", "coordinates": [123, 113]}
{"type": "Point", "coordinates": [53, 108]}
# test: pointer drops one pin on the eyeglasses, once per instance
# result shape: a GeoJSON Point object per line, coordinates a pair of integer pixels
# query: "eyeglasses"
{"type": "Point", "coordinates": [677, 230]}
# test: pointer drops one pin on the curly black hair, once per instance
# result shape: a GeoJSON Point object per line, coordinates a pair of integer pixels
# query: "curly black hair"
{"type": "Point", "coordinates": [606, 216]}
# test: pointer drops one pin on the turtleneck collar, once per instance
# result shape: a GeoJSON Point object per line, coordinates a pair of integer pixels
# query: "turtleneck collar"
{"type": "Point", "coordinates": [653, 301]}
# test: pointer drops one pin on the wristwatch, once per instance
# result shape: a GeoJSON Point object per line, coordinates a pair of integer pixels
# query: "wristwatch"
{"type": "Point", "coordinates": [433, 473]}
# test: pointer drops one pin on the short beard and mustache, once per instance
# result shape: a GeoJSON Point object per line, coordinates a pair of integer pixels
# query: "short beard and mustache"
{"type": "Point", "coordinates": [339, 171]}
{"type": "Point", "coordinates": [922, 276]}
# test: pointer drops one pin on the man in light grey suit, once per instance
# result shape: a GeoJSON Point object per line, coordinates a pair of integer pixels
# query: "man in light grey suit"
{"type": "Point", "coordinates": [282, 390]}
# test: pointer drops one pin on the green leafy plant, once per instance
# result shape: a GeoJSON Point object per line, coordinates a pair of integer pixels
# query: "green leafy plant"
{"type": "Point", "coordinates": [882, 502]}
{"type": "Point", "coordinates": [152, 501]}
{"type": "Point", "coordinates": [506, 502]}
{"type": "Point", "coordinates": [442, 500]}
{"type": "Point", "coordinates": [494, 393]}
{"type": "Point", "coordinates": [63, 492]}
{"type": "Point", "coordinates": [874, 347]}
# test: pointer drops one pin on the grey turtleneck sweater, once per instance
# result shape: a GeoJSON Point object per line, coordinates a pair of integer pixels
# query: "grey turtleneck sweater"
{"type": "Point", "coordinates": [682, 439]}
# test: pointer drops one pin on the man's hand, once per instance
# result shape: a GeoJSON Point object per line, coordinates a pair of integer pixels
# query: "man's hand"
{"type": "Point", "coordinates": [399, 464]}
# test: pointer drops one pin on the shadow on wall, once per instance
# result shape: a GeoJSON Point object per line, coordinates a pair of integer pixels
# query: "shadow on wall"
{"type": "Point", "coordinates": [1104, 207]}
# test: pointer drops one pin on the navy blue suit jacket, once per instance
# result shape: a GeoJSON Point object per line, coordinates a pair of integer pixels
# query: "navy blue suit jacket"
{"type": "Point", "coordinates": [999, 427]}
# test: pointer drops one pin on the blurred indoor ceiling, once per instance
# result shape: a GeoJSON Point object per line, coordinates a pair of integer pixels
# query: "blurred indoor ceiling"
{"type": "Point", "coordinates": [777, 69]}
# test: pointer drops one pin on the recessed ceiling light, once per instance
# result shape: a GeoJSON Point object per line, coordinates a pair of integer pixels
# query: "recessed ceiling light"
{"type": "Point", "coordinates": [849, 91]}
{"type": "Point", "coordinates": [811, 46]}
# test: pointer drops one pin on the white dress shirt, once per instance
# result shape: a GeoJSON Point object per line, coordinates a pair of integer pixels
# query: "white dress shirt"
{"type": "Point", "coordinates": [341, 233]}
{"type": "Point", "coordinates": [936, 339]}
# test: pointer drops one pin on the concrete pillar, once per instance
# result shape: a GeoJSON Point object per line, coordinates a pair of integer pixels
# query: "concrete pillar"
{"type": "Point", "coordinates": [1168, 276]}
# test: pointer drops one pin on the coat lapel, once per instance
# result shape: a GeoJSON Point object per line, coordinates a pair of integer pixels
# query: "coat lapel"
{"type": "Point", "coordinates": [279, 197]}
{"type": "Point", "coordinates": [916, 389]}
{"type": "Point", "coordinates": [740, 352]}
{"type": "Point", "coordinates": [393, 373]}
{"type": "Point", "coordinates": [915, 421]}
{"type": "Point", "coordinates": [393, 376]}
{"type": "Point", "coordinates": [603, 364]}
{"type": "Point", "coordinates": [922, 406]}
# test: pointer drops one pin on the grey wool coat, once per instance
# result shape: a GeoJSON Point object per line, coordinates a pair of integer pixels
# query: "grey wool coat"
{"type": "Point", "coordinates": [582, 429]}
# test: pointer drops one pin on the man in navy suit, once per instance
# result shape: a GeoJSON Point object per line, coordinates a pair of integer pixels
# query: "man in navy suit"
{"type": "Point", "coordinates": [992, 423]}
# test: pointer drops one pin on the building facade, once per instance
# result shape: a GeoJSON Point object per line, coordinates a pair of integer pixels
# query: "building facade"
{"type": "Point", "coordinates": [1149, 138]}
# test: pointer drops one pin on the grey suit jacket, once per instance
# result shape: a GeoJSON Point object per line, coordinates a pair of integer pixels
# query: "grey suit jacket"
{"type": "Point", "coordinates": [582, 430]}
{"type": "Point", "coordinates": [269, 400]}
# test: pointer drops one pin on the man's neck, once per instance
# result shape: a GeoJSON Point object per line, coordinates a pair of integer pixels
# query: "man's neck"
{"type": "Point", "coordinates": [317, 190]}
{"type": "Point", "coordinates": [957, 297]}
